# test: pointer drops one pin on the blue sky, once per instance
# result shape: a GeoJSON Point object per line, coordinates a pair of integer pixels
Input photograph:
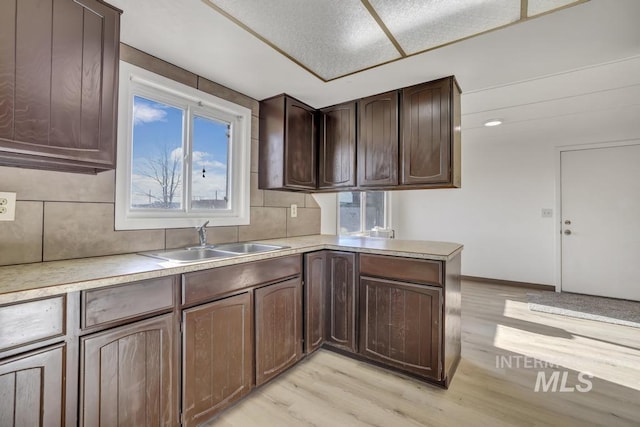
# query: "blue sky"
{"type": "Point", "coordinates": [158, 127]}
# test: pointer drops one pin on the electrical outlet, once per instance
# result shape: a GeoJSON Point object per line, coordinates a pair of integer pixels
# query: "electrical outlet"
{"type": "Point", "coordinates": [547, 213]}
{"type": "Point", "coordinates": [294, 211]}
{"type": "Point", "coordinates": [7, 206]}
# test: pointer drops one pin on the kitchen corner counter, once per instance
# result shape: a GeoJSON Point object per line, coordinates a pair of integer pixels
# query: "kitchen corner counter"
{"type": "Point", "coordinates": [28, 281]}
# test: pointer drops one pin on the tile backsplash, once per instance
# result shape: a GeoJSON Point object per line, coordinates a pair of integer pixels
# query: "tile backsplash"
{"type": "Point", "coordinates": [62, 215]}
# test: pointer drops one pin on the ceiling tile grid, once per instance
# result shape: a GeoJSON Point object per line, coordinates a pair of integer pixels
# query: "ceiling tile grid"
{"type": "Point", "coordinates": [421, 25]}
{"type": "Point", "coordinates": [329, 38]}
{"type": "Point", "coordinates": [335, 38]}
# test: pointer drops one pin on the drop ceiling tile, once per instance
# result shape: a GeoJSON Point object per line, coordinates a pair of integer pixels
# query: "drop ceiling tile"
{"type": "Point", "coordinates": [330, 38]}
{"type": "Point", "coordinates": [536, 7]}
{"type": "Point", "coordinates": [420, 25]}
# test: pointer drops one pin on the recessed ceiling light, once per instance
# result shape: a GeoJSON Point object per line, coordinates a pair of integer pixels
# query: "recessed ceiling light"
{"type": "Point", "coordinates": [493, 122]}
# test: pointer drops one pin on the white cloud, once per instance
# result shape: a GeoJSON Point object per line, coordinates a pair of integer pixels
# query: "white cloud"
{"type": "Point", "coordinates": [213, 164]}
{"type": "Point", "coordinates": [176, 154]}
{"type": "Point", "coordinates": [199, 156]}
{"type": "Point", "coordinates": [209, 187]}
{"type": "Point", "coordinates": [144, 113]}
{"type": "Point", "coordinates": [200, 159]}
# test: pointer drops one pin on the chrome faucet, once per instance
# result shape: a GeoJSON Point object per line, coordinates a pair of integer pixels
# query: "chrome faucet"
{"type": "Point", "coordinates": [202, 233]}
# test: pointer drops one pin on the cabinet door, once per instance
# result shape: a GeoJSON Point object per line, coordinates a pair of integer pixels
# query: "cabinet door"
{"type": "Point", "coordinates": [58, 84]}
{"type": "Point", "coordinates": [400, 325]}
{"type": "Point", "coordinates": [426, 140]}
{"type": "Point", "coordinates": [31, 389]}
{"type": "Point", "coordinates": [378, 140]}
{"type": "Point", "coordinates": [129, 375]}
{"type": "Point", "coordinates": [278, 328]}
{"type": "Point", "coordinates": [337, 153]}
{"type": "Point", "coordinates": [218, 356]}
{"type": "Point", "coordinates": [341, 300]}
{"type": "Point", "coordinates": [314, 290]}
{"type": "Point", "coordinates": [300, 146]}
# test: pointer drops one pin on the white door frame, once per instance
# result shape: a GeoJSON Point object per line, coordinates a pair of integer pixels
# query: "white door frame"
{"type": "Point", "coordinates": [558, 217]}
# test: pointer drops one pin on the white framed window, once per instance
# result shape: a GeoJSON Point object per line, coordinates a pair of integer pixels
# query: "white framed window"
{"type": "Point", "coordinates": [359, 213]}
{"type": "Point", "coordinates": [183, 155]}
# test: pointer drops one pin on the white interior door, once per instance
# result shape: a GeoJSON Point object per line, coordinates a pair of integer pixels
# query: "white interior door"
{"type": "Point", "coordinates": [601, 221]}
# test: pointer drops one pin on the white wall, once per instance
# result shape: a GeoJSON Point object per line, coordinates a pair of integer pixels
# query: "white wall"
{"type": "Point", "coordinates": [496, 213]}
{"type": "Point", "coordinates": [328, 205]}
{"type": "Point", "coordinates": [509, 173]}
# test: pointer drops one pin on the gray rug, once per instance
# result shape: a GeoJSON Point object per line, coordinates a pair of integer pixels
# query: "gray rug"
{"type": "Point", "coordinates": [620, 312]}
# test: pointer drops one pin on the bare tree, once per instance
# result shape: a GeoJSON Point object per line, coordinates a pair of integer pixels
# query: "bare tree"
{"type": "Point", "coordinates": [167, 172]}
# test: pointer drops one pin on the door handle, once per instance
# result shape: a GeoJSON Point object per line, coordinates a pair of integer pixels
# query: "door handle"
{"type": "Point", "coordinates": [567, 232]}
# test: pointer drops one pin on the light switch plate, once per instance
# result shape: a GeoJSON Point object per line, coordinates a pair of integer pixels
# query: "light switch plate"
{"type": "Point", "coordinates": [547, 213]}
{"type": "Point", "coordinates": [7, 206]}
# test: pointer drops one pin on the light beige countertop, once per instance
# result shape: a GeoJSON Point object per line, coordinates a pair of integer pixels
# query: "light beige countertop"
{"type": "Point", "coordinates": [27, 281]}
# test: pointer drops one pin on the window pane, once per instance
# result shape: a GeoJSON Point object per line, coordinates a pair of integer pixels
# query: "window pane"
{"type": "Point", "coordinates": [374, 209]}
{"type": "Point", "coordinates": [349, 212]}
{"type": "Point", "coordinates": [156, 166]}
{"type": "Point", "coordinates": [210, 160]}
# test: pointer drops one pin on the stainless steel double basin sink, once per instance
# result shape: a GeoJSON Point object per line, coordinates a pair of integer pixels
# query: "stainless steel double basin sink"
{"type": "Point", "coordinates": [211, 252]}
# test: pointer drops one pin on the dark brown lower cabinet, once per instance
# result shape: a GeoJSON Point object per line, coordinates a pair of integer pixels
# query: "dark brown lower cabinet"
{"type": "Point", "coordinates": [400, 325]}
{"type": "Point", "coordinates": [128, 375]}
{"type": "Point", "coordinates": [314, 298]}
{"type": "Point", "coordinates": [218, 356]}
{"type": "Point", "coordinates": [31, 389]}
{"type": "Point", "coordinates": [278, 328]}
{"type": "Point", "coordinates": [341, 300]}
{"type": "Point", "coordinates": [242, 326]}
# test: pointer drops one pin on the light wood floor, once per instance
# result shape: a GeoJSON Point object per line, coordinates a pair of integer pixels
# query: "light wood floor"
{"type": "Point", "coordinates": [330, 390]}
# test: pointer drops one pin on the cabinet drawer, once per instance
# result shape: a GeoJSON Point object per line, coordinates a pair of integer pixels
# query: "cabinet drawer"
{"type": "Point", "coordinates": [126, 301]}
{"type": "Point", "coordinates": [31, 321]}
{"type": "Point", "coordinates": [205, 285]}
{"type": "Point", "coordinates": [407, 269]}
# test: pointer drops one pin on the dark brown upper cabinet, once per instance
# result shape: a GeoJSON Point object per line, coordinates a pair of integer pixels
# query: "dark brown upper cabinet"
{"type": "Point", "coordinates": [287, 145]}
{"type": "Point", "coordinates": [337, 147]}
{"type": "Point", "coordinates": [378, 140]}
{"type": "Point", "coordinates": [403, 139]}
{"type": "Point", "coordinates": [430, 134]}
{"type": "Point", "coordinates": [58, 84]}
